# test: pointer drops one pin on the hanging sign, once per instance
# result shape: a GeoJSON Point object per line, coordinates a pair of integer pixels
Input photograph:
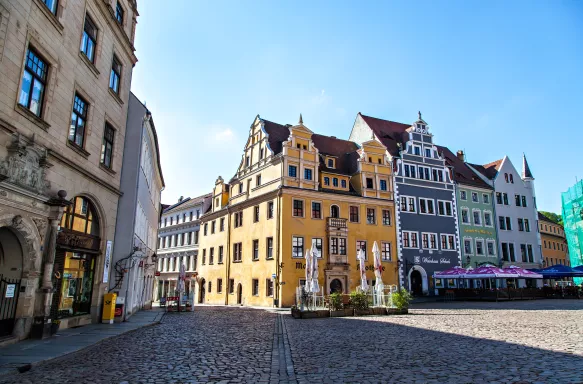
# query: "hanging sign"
{"type": "Point", "coordinates": [107, 261]}
{"type": "Point", "coordinates": [10, 291]}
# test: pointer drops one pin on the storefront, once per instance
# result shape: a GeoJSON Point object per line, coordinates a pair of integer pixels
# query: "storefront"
{"type": "Point", "coordinates": [78, 248]}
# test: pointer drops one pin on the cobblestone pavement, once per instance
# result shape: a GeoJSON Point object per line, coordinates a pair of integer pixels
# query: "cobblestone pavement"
{"type": "Point", "coordinates": [516, 342]}
{"type": "Point", "coordinates": [513, 342]}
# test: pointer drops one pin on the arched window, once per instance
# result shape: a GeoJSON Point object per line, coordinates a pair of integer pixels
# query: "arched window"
{"type": "Point", "coordinates": [80, 217]}
{"type": "Point", "coordinates": [511, 178]}
{"type": "Point", "coordinates": [506, 177]}
{"type": "Point", "coordinates": [335, 211]}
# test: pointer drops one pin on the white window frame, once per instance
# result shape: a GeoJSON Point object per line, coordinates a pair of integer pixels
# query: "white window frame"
{"type": "Point", "coordinates": [427, 206]}
{"type": "Point", "coordinates": [356, 247]}
{"type": "Point", "coordinates": [383, 243]}
{"type": "Point", "coordinates": [485, 197]}
{"type": "Point", "coordinates": [484, 251]}
{"type": "Point", "coordinates": [302, 247]}
{"type": "Point", "coordinates": [439, 172]}
{"type": "Point", "coordinates": [480, 216]}
{"type": "Point", "coordinates": [425, 149]}
{"type": "Point", "coordinates": [471, 253]}
{"type": "Point", "coordinates": [462, 210]}
{"type": "Point", "coordinates": [462, 196]}
{"type": "Point", "coordinates": [491, 220]}
{"type": "Point", "coordinates": [410, 239]}
{"type": "Point", "coordinates": [448, 235]}
{"type": "Point", "coordinates": [408, 202]}
{"type": "Point", "coordinates": [477, 197]}
{"type": "Point", "coordinates": [493, 247]}
{"type": "Point", "coordinates": [420, 150]}
{"type": "Point", "coordinates": [322, 250]}
{"type": "Point", "coordinates": [445, 203]}
{"type": "Point", "coordinates": [429, 241]}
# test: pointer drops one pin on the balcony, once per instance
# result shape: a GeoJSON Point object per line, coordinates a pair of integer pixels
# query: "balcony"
{"type": "Point", "coordinates": [338, 259]}
{"type": "Point", "coordinates": [337, 227]}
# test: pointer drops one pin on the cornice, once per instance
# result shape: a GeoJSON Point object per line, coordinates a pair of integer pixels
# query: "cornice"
{"type": "Point", "coordinates": [117, 29]}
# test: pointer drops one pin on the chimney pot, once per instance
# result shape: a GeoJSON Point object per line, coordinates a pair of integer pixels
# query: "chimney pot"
{"type": "Point", "coordinates": [461, 155]}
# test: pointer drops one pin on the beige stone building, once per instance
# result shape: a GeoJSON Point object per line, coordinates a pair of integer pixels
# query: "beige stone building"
{"type": "Point", "coordinates": [65, 75]}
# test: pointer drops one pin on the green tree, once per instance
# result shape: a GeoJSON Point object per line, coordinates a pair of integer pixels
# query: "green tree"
{"type": "Point", "coordinates": [555, 218]}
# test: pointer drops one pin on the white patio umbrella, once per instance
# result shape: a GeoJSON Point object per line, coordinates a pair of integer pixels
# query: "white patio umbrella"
{"type": "Point", "coordinates": [315, 287]}
{"type": "Point", "coordinates": [181, 277]}
{"type": "Point", "coordinates": [363, 284]}
{"type": "Point", "coordinates": [378, 271]}
{"type": "Point", "coordinates": [309, 270]}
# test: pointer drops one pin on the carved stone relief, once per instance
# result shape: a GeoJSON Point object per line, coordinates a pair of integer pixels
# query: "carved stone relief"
{"type": "Point", "coordinates": [41, 225]}
{"type": "Point", "coordinates": [25, 165]}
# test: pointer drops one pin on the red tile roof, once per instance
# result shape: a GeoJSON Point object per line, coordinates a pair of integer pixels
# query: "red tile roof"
{"type": "Point", "coordinates": [489, 170]}
{"type": "Point", "coordinates": [462, 174]}
{"type": "Point", "coordinates": [390, 133]}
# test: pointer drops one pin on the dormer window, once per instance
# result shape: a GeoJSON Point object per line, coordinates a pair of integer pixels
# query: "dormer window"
{"type": "Point", "coordinates": [427, 152]}
{"type": "Point", "coordinates": [330, 163]}
{"type": "Point", "coordinates": [298, 146]}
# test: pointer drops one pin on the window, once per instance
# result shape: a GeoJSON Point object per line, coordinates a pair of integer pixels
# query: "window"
{"type": "Point", "coordinates": [480, 247]}
{"type": "Point", "coordinates": [269, 248]}
{"type": "Point", "coordinates": [523, 253]}
{"type": "Point", "coordinates": [517, 199]}
{"type": "Point", "coordinates": [407, 204]}
{"type": "Point", "coordinates": [240, 187]}
{"type": "Point", "coordinates": [354, 214]}
{"type": "Point", "coordinates": [447, 242]}
{"type": "Point", "coordinates": [318, 243]}
{"type": "Point", "coordinates": [107, 146]}
{"type": "Point", "coordinates": [511, 251]}
{"type": "Point", "coordinates": [203, 256]}
{"type": "Point", "coordinates": [237, 252]}
{"type": "Point", "coordinates": [417, 150]}
{"type": "Point", "coordinates": [330, 163]}
{"type": "Point", "coordinates": [407, 171]}
{"type": "Point", "coordinates": [465, 216]}
{"type": "Point", "coordinates": [526, 225]}
{"type": "Point", "coordinates": [210, 286]}
{"type": "Point", "coordinates": [316, 210]}
{"type": "Point", "coordinates": [520, 225]}
{"type": "Point", "coordinates": [463, 195]}
{"type": "Point", "coordinates": [51, 5]}
{"type": "Point", "coordinates": [270, 210]}
{"type": "Point", "coordinates": [238, 219]}
{"type": "Point", "coordinates": [505, 196]}
{"type": "Point", "coordinates": [371, 216]}
{"type": "Point", "coordinates": [343, 183]}
{"type": "Point", "coordinates": [475, 197]}
{"type": "Point", "coordinates": [298, 210]}
{"type": "Point", "coordinates": [119, 13]}
{"type": "Point", "coordinates": [269, 287]}
{"type": "Point", "coordinates": [490, 246]}
{"type": "Point", "coordinates": [444, 208]}
{"type": "Point", "coordinates": [506, 177]}
{"type": "Point", "coordinates": [89, 39]}
{"type": "Point", "coordinates": [498, 198]}
{"type": "Point", "coordinates": [486, 198]}
{"type": "Point", "coordinates": [467, 246]}
{"type": "Point", "coordinates": [255, 249]}
{"type": "Point", "coordinates": [212, 256]}
{"type": "Point", "coordinates": [524, 201]}
{"type": "Point", "coordinates": [508, 224]}
{"type": "Point", "coordinates": [505, 253]}
{"type": "Point", "coordinates": [261, 154]}
{"type": "Point", "coordinates": [222, 224]}
{"type": "Point", "coordinates": [369, 183]}
{"type": "Point", "coordinates": [256, 213]}
{"type": "Point", "coordinates": [413, 171]}
{"type": "Point", "coordinates": [361, 244]}
{"type": "Point", "coordinates": [502, 221]}
{"type": "Point", "coordinates": [221, 254]}
{"type": "Point", "coordinates": [511, 179]}
{"type": "Point", "coordinates": [115, 75]}
{"type": "Point", "coordinates": [426, 206]}
{"type": "Point", "coordinates": [477, 218]}
{"type": "Point", "coordinates": [247, 161]}
{"type": "Point", "coordinates": [297, 246]}
{"type": "Point", "coordinates": [342, 246]}
{"type": "Point", "coordinates": [219, 285]}
{"type": "Point", "coordinates": [213, 226]}
{"type": "Point", "coordinates": [488, 219]}
{"type": "Point", "coordinates": [334, 245]}
{"type": "Point", "coordinates": [386, 251]}
{"type": "Point", "coordinates": [257, 180]}
{"type": "Point", "coordinates": [33, 83]}
{"type": "Point", "coordinates": [383, 185]}
{"type": "Point", "coordinates": [195, 237]}
{"type": "Point", "coordinates": [386, 217]}
{"type": "Point", "coordinates": [335, 182]}
{"type": "Point", "coordinates": [231, 286]}
{"type": "Point", "coordinates": [292, 171]}
{"type": "Point", "coordinates": [78, 121]}
{"type": "Point", "coordinates": [326, 180]}
{"type": "Point", "coordinates": [410, 239]}
{"type": "Point", "coordinates": [308, 174]}
{"type": "Point", "coordinates": [427, 152]}
{"type": "Point", "coordinates": [255, 287]}
{"type": "Point", "coordinates": [334, 211]}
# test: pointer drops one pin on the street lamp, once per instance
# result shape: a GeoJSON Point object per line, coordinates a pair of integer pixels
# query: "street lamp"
{"type": "Point", "coordinates": [468, 261]}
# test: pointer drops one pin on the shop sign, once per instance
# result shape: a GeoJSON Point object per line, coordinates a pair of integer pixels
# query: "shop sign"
{"type": "Point", "coordinates": [107, 261]}
{"type": "Point", "coordinates": [10, 288]}
{"type": "Point", "coordinates": [432, 260]}
{"type": "Point", "coordinates": [367, 268]}
{"type": "Point", "coordinates": [72, 239]}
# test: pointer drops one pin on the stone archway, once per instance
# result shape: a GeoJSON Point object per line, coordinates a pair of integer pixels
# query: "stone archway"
{"type": "Point", "coordinates": [418, 271]}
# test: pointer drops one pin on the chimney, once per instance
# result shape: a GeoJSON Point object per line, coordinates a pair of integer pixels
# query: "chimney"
{"type": "Point", "coordinates": [180, 198]}
{"type": "Point", "coordinates": [461, 155]}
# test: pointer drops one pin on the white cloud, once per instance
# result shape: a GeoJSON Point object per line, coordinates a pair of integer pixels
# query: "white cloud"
{"type": "Point", "coordinates": [219, 133]}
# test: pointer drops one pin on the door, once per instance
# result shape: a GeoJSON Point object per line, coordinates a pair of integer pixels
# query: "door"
{"type": "Point", "coordinates": [10, 277]}
{"type": "Point", "coordinates": [416, 283]}
{"type": "Point", "coordinates": [9, 289]}
{"type": "Point", "coordinates": [202, 291]}
{"type": "Point", "coordinates": [239, 294]}
{"type": "Point", "coordinates": [336, 286]}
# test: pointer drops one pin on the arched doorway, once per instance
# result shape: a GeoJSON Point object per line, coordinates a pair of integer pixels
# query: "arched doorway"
{"type": "Point", "coordinates": [239, 294]}
{"type": "Point", "coordinates": [335, 211]}
{"type": "Point", "coordinates": [202, 291]}
{"type": "Point", "coordinates": [336, 286]}
{"type": "Point", "coordinates": [78, 248]}
{"type": "Point", "coordinates": [10, 279]}
{"type": "Point", "coordinates": [416, 284]}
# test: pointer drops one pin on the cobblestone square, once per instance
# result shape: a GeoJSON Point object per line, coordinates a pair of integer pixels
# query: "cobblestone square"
{"type": "Point", "coordinates": [514, 342]}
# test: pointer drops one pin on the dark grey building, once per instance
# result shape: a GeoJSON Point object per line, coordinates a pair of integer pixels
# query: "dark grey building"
{"type": "Point", "coordinates": [426, 218]}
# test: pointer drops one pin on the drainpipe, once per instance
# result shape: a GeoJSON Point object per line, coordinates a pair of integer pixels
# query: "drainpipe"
{"type": "Point", "coordinates": [228, 253]}
{"type": "Point", "coordinates": [277, 256]}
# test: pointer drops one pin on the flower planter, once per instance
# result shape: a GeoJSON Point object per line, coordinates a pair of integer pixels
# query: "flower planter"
{"type": "Point", "coordinates": [393, 311]}
{"type": "Point", "coordinates": [309, 315]}
{"type": "Point", "coordinates": [379, 311]}
{"type": "Point", "coordinates": [348, 312]}
{"type": "Point", "coordinates": [404, 311]}
{"type": "Point", "coordinates": [362, 312]}
{"type": "Point", "coordinates": [339, 313]}
{"type": "Point", "coordinates": [296, 313]}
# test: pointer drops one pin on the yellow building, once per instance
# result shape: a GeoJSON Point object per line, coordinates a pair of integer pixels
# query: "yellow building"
{"type": "Point", "coordinates": [554, 242]}
{"type": "Point", "coordinates": [294, 188]}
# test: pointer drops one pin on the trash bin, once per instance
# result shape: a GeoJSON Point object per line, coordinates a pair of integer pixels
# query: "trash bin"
{"type": "Point", "coordinates": [41, 328]}
{"type": "Point", "coordinates": [108, 308]}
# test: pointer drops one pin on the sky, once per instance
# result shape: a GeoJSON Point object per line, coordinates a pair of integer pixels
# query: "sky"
{"type": "Point", "coordinates": [492, 78]}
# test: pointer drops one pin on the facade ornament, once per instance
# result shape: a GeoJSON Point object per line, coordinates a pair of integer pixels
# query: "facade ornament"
{"type": "Point", "coordinates": [41, 225]}
{"type": "Point", "coordinates": [301, 120]}
{"type": "Point", "coordinates": [419, 114]}
{"type": "Point", "coordinates": [25, 165]}
{"type": "Point", "coordinates": [17, 223]}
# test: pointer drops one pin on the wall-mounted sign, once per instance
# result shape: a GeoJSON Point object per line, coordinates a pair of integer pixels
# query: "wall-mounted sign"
{"type": "Point", "coordinates": [157, 273]}
{"type": "Point", "coordinates": [367, 268]}
{"type": "Point", "coordinates": [10, 288]}
{"type": "Point", "coordinates": [107, 261]}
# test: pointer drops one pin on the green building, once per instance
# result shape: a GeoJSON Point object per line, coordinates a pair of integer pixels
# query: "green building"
{"type": "Point", "coordinates": [573, 222]}
{"type": "Point", "coordinates": [475, 209]}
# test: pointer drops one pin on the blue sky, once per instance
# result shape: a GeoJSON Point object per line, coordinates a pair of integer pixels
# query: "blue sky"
{"type": "Point", "coordinates": [493, 78]}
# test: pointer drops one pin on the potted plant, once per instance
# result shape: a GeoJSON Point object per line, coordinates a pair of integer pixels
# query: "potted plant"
{"type": "Point", "coordinates": [295, 312]}
{"type": "Point", "coordinates": [402, 299]}
{"type": "Point", "coordinates": [335, 305]}
{"type": "Point", "coordinates": [55, 326]}
{"type": "Point", "coordinates": [359, 302]}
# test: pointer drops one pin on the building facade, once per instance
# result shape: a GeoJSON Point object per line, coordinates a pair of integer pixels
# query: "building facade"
{"type": "Point", "coordinates": [138, 212]}
{"type": "Point", "coordinates": [65, 70]}
{"type": "Point", "coordinates": [426, 213]}
{"type": "Point", "coordinates": [475, 210]}
{"type": "Point", "coordinates": [555, 249]}
{"type": "Point", "coordinates": [516, 212]}
{"type": "Point", "coordinates": [178, 243]}
{"type": "Point", "coordinates": [294, 188]}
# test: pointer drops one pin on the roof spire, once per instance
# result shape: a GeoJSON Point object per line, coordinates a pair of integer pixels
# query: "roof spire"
{"type": "Point", "coordinates": [301, 120]}
{"type": "Point", "coordinates": [526, 173]}
{"type": "Point", "coordinates": [419, 114]}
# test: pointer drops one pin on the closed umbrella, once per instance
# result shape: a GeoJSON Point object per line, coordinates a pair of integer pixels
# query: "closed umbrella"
{"type": "Point", "coordinates": [378, 271]}
{"type": "Point", "coordinates": [308, 257]}
{"type": "Point", "coordinates": [181, 277]}
{"type": "Point", "coordinates": [363, 284]}
{"type": "Point", "coordinates": [315, 287]}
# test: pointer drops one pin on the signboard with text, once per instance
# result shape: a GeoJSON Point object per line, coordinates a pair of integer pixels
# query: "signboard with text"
{"type": "Point", "coordinates": [107, 261]}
